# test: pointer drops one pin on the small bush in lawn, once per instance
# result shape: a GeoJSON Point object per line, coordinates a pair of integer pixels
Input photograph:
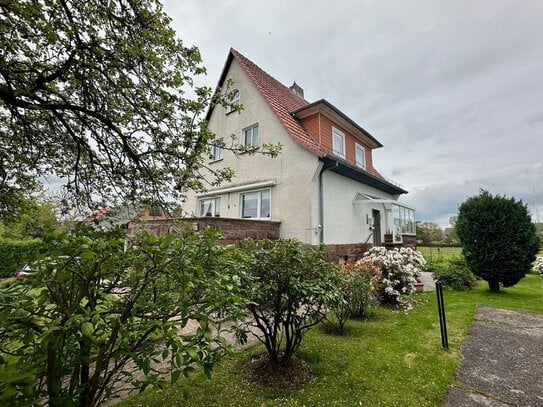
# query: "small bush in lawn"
{"type": "Point", "coordinates": [289, 289]}
{"type": "Point", "coordinates": [398, 272]}
{"type": "Point", "coordinates": [353, 282]}
{"type": "Point", "coordinates": [538, 265]}
{"type": "Point", "coordinates": [454, 273]}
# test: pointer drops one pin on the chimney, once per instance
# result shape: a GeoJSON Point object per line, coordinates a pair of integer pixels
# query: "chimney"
{"type": "Point", "coordinates": [297, 90]}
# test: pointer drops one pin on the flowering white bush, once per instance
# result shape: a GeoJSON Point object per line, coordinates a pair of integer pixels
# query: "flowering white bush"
{"type": "Point", "coordinates": [398, 272]}
{"type": "Point", "coordinates": [538, 265]}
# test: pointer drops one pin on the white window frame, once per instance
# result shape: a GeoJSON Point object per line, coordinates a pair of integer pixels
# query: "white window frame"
{"type": "Point", "coordinates": [234, 101]}
{"type": "Point", "coordinates": [357, 148]}
{"type": "Point", "coordinates": [252, 141]}
{"type": "Point", "coordinates": [215, 207]}
{"type": "Point", "coordinates": [335, 149]}
{"type": "Point", "coordinates": [217, 151]}
{"type": "Point", "coordinates": [404, 220]}
{"type": "Point", "coordinates": [259, 193]}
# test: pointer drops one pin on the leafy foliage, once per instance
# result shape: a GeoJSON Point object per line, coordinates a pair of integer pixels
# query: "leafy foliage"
{"type": "Point", "coordinates": [353, 282]}
{"type": "Point", "coordinates": [398, 269]}
{"type": "Point", "coordinates": [290, 288]}
{"type": "Point", "coordinates": [30, 221]}
{"type": "Point", "coordinates": [15, 254]}
{"type": "Point", "coordinates": [94, 313]}
{"type": "Point", "coordinates": [498, 238]}
{"type": "Point", "coordinates": [429, 232]}
{"type": "Point", "coordinates": [454, 273]}
{"type": "Point", "coordinates": [96, 93]}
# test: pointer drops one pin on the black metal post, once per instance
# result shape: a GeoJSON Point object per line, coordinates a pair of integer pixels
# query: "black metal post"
{"type": "Point", "coordinates": [441, 312]}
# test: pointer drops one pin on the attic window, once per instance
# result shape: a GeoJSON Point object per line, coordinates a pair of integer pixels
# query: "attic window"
{"type": "Point", "coordinates": [338, 142]}
{"type": "Point", "coordinates": [234, 101]}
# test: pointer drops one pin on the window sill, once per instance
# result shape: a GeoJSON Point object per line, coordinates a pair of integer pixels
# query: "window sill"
{"type": "Point", "coordinates": [250, 150]}
{"type": "Point", "coordinates": [216, 161]}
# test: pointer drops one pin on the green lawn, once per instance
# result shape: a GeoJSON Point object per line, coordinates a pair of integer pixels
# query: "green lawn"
{"type": "Point", "coordinates": [393, 359]}
{"type": "Point", "coordinates": [432, 254]}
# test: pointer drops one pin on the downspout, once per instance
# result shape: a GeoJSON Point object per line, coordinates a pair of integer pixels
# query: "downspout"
{"type": "Point", "coordinates": [321, 200]}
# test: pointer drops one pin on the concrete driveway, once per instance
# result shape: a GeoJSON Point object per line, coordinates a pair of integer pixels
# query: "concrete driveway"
{"type": "Point", "coordinates": [502, 361]}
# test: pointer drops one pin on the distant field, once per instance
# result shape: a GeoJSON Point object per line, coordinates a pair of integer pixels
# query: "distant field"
{"type": "Point", "coordinates": [438, 253]}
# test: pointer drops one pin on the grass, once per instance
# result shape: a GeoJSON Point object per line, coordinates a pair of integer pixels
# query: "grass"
{"type": "Point", "coordinates": [432, 254]}
{"type": "Point", "coordinates": [392, 359]}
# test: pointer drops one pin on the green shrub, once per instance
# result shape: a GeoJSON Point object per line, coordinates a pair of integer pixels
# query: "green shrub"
{"type": "Point", "coordinates": [14, 254]}
{"type": "Point", "coordinates": [498, 238]}
{"type": "Point", "coordinates": [289, 290]}
{"type": "Point", "coordinates": [96, 308]}
{"type": "Point", "coordinates": [353, 281]}
{"type": "Point", "coordinates": [454, 273]}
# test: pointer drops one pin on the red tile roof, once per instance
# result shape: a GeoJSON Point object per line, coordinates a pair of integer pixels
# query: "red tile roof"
{"type": "Point", "coordinates": [284, 104]}
{"type": "Point", "coordinates": [282, 101]}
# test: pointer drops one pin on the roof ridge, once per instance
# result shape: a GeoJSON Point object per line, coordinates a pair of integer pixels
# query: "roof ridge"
{"type": "Point", "coordinates": [239, 56]}
{"type": "Point", "coordinates": [281, 100]}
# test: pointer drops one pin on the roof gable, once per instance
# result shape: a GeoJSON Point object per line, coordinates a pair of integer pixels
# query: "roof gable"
{"type": "Point", "coordinates": [290, 108]}
{"type": "Point", "coordinates": [281, 100]}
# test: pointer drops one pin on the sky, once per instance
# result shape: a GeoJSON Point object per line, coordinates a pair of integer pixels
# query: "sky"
{"type": "Point", "coordinates": [452, 89]}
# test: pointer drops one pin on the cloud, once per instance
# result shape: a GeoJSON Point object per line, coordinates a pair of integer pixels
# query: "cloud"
{"type": "Point", "coordinates": [452, 89]}
{"type": "Point", "coordinates": [439, 201]}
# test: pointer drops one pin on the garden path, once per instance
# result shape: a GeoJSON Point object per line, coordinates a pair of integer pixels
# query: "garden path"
{"type": "Point", "coordinates": [501, 363]}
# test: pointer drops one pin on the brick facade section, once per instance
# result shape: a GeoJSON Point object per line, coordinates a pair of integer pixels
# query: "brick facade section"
{"type": "Point", "coordinates": [349, 252]}
{"type": "Point", "coordinates": [234, 230]}
{"type": "Point", "coordinates": [312, 124]}
{"type": "Point", "coordinates": [410, 241]}
{"type": "Point", "coordinates": [320, 127]}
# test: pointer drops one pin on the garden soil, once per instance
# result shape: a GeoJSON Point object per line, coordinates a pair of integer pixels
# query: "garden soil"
{"type": "Point", "coordinates": [502, 361]}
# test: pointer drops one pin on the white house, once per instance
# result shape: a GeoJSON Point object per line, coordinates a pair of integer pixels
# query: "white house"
{"type": "Point", "coordinates": [323, 187]}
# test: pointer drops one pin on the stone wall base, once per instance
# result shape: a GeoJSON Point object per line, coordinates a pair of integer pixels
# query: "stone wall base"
{"type": "Point", "coordinates": [234, 230]}
{"type": "Point", "coordinates": [342, 253]}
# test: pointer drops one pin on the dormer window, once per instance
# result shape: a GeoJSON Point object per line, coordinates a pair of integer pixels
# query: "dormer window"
{"type": "Point", "coordinates": [250, 137]}
{"type": "Point", "coordinates": [234, 101]}
{"type": "Point", "coordinates": [360, 155]}
{"type": "Point", "coordinates": [338, 142]}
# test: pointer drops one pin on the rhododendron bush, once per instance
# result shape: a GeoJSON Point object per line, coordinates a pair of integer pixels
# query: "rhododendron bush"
{"type": "Point", "coordinates": [397, 274]}
{"type": "Point", "coordinates": [353, 281]}
{"type": "Point", "coordinates": [538, 265]}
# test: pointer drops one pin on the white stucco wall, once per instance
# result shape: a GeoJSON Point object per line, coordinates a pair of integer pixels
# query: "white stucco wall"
{"type": "Point", "coordinates": [291, 172]}
{"type": "Point", "coordinates": [345, 221]}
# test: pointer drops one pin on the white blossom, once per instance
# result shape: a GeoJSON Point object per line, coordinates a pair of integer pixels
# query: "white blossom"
{"type": "Point", "coordinates": [398, 270]}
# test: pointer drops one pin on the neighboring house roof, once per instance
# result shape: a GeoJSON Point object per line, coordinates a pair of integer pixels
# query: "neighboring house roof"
{"type": "Point", "coordinates": [289, 108]}
{"type": "Point", "coordinates": [123, 215]}
{"type": "Point", "coordinates": [99, 214]}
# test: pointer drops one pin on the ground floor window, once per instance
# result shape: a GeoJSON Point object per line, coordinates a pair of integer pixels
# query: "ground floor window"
{"type": "Point", "coordinates": [256, 204]}
{"type": "Point", "coordinates": [210, 207]}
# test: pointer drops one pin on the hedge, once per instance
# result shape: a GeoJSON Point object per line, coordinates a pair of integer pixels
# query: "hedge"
{"type": "Point", "coordinates": [14, 254]}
